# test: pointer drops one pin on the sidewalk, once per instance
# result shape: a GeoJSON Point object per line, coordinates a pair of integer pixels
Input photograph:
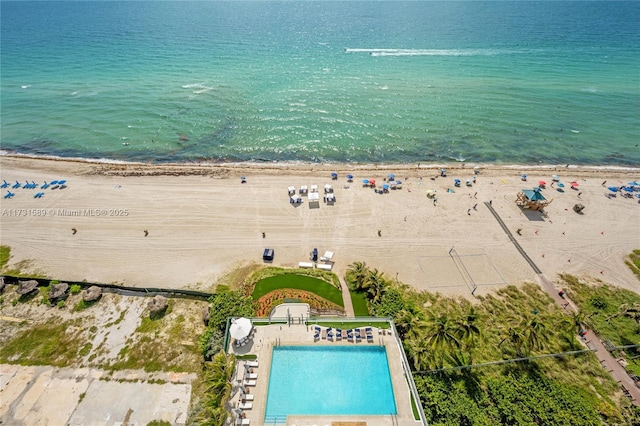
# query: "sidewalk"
{"type": "Point", "coordinates": [618, 372]}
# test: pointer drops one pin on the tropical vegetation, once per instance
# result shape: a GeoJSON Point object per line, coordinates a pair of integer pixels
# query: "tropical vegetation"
{"type": "Point", "coordinates": [612, 312]}
{"type": "Point", "coordinates": [447, 338]}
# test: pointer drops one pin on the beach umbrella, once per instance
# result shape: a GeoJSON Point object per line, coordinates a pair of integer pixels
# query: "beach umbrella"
{"type": "Point", "coordinates": [628, 188]}
{"type": "Point", "coordinates": [560, 184]}
{"type": "Point", "coordinates": [555, 178]}
{"type": "Point", "coordinates": [385, 186]}
{"type": "Point", "coordinates": [54, 182]}
{"type": "Point", "coordinates": [334, 176]}
{"type": "Point", "coordinates": [392, 176]}
{"type": "Point", "coordinates": [456, 181]}
{"type": "Point", "coordinates": [523, 176]}
{"type": "Point", "coordinates": [62, 182]}
{"type": "Point", "coordinates": [634, 183]}
{"type": "Point", "coordinates": [574, 184]}
{"type": "Point", "coordinates": [349, 177]}
{"type": "Point", "coordinates": [365, 181]}
{"type": "Point", "coordinates": [613, 188]}
{"type": "Point", "coordinates": [542, 183]}
{"type": "Point", "coordinates": [240, 328]}
{"type": "Point", "coordinates": [372, 181]}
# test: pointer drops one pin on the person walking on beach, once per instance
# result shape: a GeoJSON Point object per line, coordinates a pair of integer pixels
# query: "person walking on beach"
{"type": "Point", "coordinates": [146, 232]}
{"type": "Point", "coordinates": [74, 230]}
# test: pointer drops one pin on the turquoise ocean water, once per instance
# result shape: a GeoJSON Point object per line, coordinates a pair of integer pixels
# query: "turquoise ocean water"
{"type": "Point", "coordinates": [383, 82]}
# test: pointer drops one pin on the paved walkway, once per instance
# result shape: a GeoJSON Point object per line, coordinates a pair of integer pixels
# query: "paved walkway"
{"type": "Point", "coordinates": [346, 297]}
{"type": "Point", "coordinates": [618, 372]}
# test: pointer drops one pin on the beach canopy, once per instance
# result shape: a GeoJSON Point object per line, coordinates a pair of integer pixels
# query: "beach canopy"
{"type": "Point", "coordinates": [240, 328]}
{"type": "Point", "coordinates": [392, 176]}
{"type": "Point", "coordinates": [385, 186]}
{"type": "Point", "coordinates": [613, 188]}
{"type": "Point", "coordinates": [533, 194]}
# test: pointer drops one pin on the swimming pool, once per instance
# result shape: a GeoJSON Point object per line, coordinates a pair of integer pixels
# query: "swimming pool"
{"type": "Point", "coordinates": [339, 380]}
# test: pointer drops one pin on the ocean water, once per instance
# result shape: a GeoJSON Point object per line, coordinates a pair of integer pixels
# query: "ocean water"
{"type": "Point", "coordinates": [367, 82]}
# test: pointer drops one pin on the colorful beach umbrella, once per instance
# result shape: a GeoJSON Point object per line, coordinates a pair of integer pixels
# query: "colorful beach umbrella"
{"type": "Point", "coordinates": [349, 177]}
{"type": "Point", "coordinates": [542, 183]}
{"type": "Point", "coordinates": [613, 188]}
{"type": "Point", "coordinates": [372, 181]}
{"type": "Point", "coordinates": [365, 181]}
{"type": "Point", "coordinates": [561, 185]}
{"type": "Point", "coordinates": [574, 184]}
{"type": "Point", "coordinates": [392, 176]}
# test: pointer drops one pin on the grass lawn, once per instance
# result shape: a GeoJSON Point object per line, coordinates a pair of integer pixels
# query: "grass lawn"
{"type": "Point", "coordinates": [359, 301]}
{"type": "Point", "coordinates": [298, 282]}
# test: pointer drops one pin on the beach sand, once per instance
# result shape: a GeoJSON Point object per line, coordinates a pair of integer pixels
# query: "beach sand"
{"type": "Point", "coordinates": [202, 222]}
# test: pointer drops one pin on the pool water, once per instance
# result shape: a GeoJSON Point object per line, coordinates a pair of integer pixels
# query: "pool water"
{"type": "Point", "coordinates": [337, 380]}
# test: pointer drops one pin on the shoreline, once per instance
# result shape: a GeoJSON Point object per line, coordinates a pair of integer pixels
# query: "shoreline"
{"type": "Point", "coordinates": [187, 225]}
{"type": "Point", "coordinates": [337, 167]}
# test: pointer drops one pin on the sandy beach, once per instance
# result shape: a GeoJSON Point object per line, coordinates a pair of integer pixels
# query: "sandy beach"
{"type": "Point", "coordinates": [201, 222]}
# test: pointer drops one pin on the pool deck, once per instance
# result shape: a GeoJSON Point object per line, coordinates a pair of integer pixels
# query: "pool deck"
{"type": "Point", "coordinates": [268, 336]}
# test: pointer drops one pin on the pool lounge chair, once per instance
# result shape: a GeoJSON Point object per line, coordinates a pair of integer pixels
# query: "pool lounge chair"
{"type": "Point", "coordinates": [253, 364]}
{"type": "Point", "coordinates": [249, 383]}
{"type": "Point", "coordinates": [250, 376]}
{"type": "Point", "coordinates": [316, 337]}
{"type": "Point", "coordinates": [243, 421]}
{"type": "Point", "coordinates": [369, 338]}
{"type": "Point", "coordinates": [245, 405]}
{"type": "Point", "coordinates": [247, 397]}
{"type": "Point", "coordinates": [350, 337]}
{"type": "Point", "coordinates": [368, 330]}
{"type": "Point", "coordinates": [324, 334]}
{"type": "Point", "coordinates": [329, 335]}
{"type": "Point", "coordinates": [317, 329]}
{"type": "Point", "coordinates": [338, 334]}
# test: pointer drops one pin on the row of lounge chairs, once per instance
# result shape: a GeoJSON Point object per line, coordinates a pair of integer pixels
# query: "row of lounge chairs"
{"type": "Point", "coordinates": [351, 335]}
{"type": "Point", "coordinates": [246, 399]}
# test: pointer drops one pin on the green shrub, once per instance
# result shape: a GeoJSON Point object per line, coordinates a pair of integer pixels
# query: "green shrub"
{"type": "Point", "coordinates": [75, 289]}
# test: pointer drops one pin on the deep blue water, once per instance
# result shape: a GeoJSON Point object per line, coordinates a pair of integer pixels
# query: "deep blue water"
{"type": "Point", "coordinates": [403, 82]}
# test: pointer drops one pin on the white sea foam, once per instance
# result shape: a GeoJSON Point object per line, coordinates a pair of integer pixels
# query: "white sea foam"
{"type": "Point", "coordinates": [25, 86]}
{"type": "Point", "coordinates": [430, 52]}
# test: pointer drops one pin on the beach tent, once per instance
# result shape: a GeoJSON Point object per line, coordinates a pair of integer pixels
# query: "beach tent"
{"type": "Point", "coordinates": [328, 189]}
{"type": "Point", "coordinates": [392, 176]}
{"type": "Point", "coordinates": [292, 190]}
{"type": "Point", "coordinates": [349, 178]}
{"type": "Point", "coordinates": [531, 199]}
{"type": "Point", "coordinates": [314, 197]}
{"type": "Point", "coordinates": [334, 176]}
{"type": "Point", "coordinates": [240, 328]}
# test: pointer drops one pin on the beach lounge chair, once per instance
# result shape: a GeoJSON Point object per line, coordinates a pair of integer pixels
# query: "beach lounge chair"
{"type": "Point", "coordinates": [245, 405]}
{"type": "Point", "coordinates": [249, 383]}
{"type": "Point", "coordinates": [250, 376]}
{"type": "Point", "coordinates": [247, 397]}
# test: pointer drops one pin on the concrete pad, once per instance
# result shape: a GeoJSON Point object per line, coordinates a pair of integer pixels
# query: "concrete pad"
{"type": "Point", "coordinates": [14, 382]}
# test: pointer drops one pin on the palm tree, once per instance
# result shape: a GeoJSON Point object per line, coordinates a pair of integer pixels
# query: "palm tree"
{"type": "Point", "coordinates": [420, 354]}
{"type": "Point", "coordinates": [534, 332]}
{"type": "Point", "coordinates": [441, 336]}
{"type": "Point", "coordinates": [410, 325]}
{"type": "Point", "coordinates": [468, 330]}
{"type": "Point", "coordinates": [356, 275]}
{"type": "Point", "coordinates": [514, 335]}
{"type": "Point", "coordinates": [376, 285]}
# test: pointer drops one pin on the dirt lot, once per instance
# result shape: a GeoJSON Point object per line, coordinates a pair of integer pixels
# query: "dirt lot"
{"type": "Point", "coordinates": [104, 364]}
